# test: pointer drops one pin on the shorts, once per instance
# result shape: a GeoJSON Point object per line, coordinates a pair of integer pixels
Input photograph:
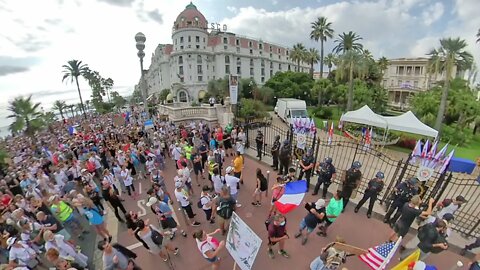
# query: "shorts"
{"type": "Point", "coordinates": [234, 196]}
{"type": "Point", "coordinates": [400, 229]}
{"type": "Point", "coordinates": [303, 225]}
{"type": "Point", "coordinates": [237, 174]}
{"type": "Point", "coordinates": [197, 170]}
{"type": "Point", "coordinates": [214, 259]}
{"type": "Point", "coordinates": [189, 211]}
{"type": "Point", "coordinates": [258, 191]}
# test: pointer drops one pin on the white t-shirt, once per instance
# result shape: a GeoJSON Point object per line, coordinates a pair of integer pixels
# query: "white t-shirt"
{"type": "Point", "coordinates": [127, 178]}
{"type": "Point", "coordinates": [217, 183]}
{"type": "Point", "coordinates": [182, 197]}
{"type": "Point", "coordinates": [205, 200]}
{"type": "Point", "coordinates": [232, 183]}
{"type": "Point", "coordinates": [205, 246]}
{"type": "Point", "coordinates": [22, 254]}
{"type": "Point", "coordinates": [450, 209]}
{"type": "Point", "coordinates": [177, 152]}
{"type": "Point", "coordinates": [150, 165]}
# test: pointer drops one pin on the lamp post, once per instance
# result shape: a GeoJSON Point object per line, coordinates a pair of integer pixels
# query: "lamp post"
{"type": "Point", "coordinates": [140, 39]}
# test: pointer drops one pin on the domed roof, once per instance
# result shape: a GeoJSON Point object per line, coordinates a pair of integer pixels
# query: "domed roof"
{"type": "Point", "coordinates": [190, 18]}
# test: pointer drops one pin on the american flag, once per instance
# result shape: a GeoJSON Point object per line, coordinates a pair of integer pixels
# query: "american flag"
{"type": "Point", "coordinates": [375, 257]}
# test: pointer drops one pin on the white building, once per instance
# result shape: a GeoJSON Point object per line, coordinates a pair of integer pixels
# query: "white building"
{"type": "Point", "coordinates": [406, 76]}
{"type": "Point", "coordinates": [201, 52]}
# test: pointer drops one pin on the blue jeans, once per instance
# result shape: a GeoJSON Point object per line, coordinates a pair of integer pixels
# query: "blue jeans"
{"type": "Point", "coordinates": [317, 264]}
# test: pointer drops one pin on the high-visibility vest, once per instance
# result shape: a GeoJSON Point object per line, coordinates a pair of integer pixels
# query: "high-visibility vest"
{"type": "Point", "coordinates": [65, 211]}
{"type": "Point", "coordinates": [188, 151]}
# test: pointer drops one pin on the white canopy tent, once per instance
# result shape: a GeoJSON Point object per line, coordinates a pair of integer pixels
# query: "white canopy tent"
{"type": "Point", "coordinates": [365, 116]}
{"type": "Point", "coordinates": [408, 122]}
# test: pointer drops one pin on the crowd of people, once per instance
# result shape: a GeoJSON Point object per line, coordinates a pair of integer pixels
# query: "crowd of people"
{"type": "Point", "coordinates": [60, 185]}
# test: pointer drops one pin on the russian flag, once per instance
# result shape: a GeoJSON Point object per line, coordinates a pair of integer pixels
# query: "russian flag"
{"type": "Point", "coordinates": [292, 197]}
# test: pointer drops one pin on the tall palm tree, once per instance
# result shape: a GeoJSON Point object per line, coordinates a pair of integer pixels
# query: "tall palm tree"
{"type": "Point", "coordinates": [346, 42]}
{"type": "Point", "coordinates": [298, 54]}
{"type": "Point", "coordinates": [312, 57]}
{"type": "Point", "coordinates": [321, 30]}
{"type": "Point", "coordinates": [350, 64]}
{"type": "Point", "coordinates": [449, 55]}
{"type": "Point", "coordinates": [368, 55]}
{"type": "Point", "coordinates": [329, 61]}
{"type": "Point", "coordinates": [60, 106]}
{"type": "Point", "coordinates": [72, 71]}
{"type": "Point", "coordinates": [383, 64]}
{"type": "Point", "coordinates": [71, 107]}
{"type": "Point", "coordinates": [26, 115]}
{"type": "Point", "coordinates": [478, 36]}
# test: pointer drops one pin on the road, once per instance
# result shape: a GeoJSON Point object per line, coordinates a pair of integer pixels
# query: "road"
{"type": "Point", "coordinates": [356, 229]}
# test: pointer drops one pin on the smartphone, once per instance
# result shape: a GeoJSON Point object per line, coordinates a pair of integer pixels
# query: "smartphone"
{"type": "Point", "coordinates": [308, 206]}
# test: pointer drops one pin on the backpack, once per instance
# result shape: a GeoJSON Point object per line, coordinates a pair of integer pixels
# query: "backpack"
{"type": "Point", "coordinates": [142, 158]}
{"type": "Point", "coordinates": [199, 203]}
{"type": "Point", "coordinates": [225, 209]}
{"type": "Point", "coordinates": [157, 238]}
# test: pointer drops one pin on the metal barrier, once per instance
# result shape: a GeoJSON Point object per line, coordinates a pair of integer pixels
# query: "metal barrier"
{"type": "Point", "coordinates": [345, 151]}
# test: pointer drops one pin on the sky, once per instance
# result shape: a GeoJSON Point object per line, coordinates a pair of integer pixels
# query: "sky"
{"type": "Point", "coordinates": [38, 37]}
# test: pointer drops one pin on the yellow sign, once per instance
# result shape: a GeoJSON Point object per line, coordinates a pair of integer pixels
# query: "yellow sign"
{"type": "Point", "coordinates": [403, 265]}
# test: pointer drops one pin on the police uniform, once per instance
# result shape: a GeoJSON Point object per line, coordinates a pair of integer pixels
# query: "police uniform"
{"type": "Point", "coordinates": [275, 152]}
{"type": "Point", "coordinates": [352, 176]}
{"type": "Point", "coordinates": [284, 158]}
{"type": "Point", "coordinates": [307, 160]}
{"type": "Point", "coordinates": [325, 172]}
{"type": "Point", "coordinates": [402, 194]}
{"type": "Point", "coordinates": [375, 186]}
{"type": "Point", "coordinates": [259, 142]}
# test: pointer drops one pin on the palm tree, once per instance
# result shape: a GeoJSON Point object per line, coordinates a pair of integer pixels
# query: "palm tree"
{"type": "Point", "coordinates": [298, 54]}
{"type": "Point", "coordinates": [72, 71]}
{"type": "Point", "coordinates": [70, 107]}
{"type": "Point", "coordinates": [351, 63]}
{"type": "Point", "coordinates": [368, 55]}
{"type": "Point", "coordinates": [383, 64]}
{"type": "Point", "coordinates": [59, 105]}
{"type": "Point", "coordinates": [478, 36]}
{"type": "Point", "coordinates": [329, 61]}
{"type": "Point", "coordinates": [321, 30]}
{"type": "Point", "coordinates": [449, 55]}
{"type": "Point", "coordinates": [346, 42]}
{"type": "Point", "coordinates": [26, 115]}
{"type": "Point", "coordinates": [312, 57]}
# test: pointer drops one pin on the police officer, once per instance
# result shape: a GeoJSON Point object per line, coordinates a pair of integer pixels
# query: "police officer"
{"type": "Point", "coordinates": [325, 171]}
{"type": "Point", "coordinates": [306, 165]}
{"type": "Point", "coordinates": [353, 177]}
{"type": "Point", "coordinates": [402, 194]}
{"type": "Point", "coordinates": [374, 188]}
{"type": "Point", "coordinates": [259, 142]}
{"type": "Point", "coordinates": [275, 152]}
{"type": "Point", "coordinates": [284, 157]}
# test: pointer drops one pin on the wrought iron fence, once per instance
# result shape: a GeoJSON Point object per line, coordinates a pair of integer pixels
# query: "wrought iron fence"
{"type": "Point", "coordinates": [345, 151]}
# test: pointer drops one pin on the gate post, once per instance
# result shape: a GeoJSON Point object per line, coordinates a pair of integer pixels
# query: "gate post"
{"type": "Point", "coordinates": [317, 149]}
{"type": "Point", "coordinates": [392, 182]}
{"type": "Point", "coordinates": [404, 169]}
{"type": "Point", "coordinates": [444, 186]}
{"type": "Point", "coordinates": [355, 155]}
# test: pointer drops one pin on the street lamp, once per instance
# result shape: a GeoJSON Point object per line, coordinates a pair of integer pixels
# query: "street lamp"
{"type": "Point", "coordinates": [140, 39]}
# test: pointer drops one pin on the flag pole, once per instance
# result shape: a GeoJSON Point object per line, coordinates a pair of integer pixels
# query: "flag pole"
{"type": "Point", "coordinates": [390, 255]}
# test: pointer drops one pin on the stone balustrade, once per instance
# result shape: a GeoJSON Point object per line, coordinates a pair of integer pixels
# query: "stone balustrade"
{"type": "Point", "coordinates": [182, 112]}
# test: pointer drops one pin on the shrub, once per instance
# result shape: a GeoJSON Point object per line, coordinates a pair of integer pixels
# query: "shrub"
{"type": "Point", "coordinates": [252, 109]}
{"type": "Point", "coordinates": [456, 136]}
{"type": "Point", "coordinates": [323, 112]}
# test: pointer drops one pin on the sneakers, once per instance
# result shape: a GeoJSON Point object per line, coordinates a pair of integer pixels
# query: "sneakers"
{"type": "Point", "coordinates": [196, 224]}
{"type": "Point", "coordinates": [355, 210]}
{"type": "Point", "coordinates": [256, 204]}
{"type": "Point", "coordinates": [271, 254]}
{"type": "Point", "coordinates": [175, 252]}
{"type": "Point", "coordinates": [369, 215]}
{"type": "Point", "coordinates": [184, 234]}
{"type": "Point", "coordinates": [283, 253]}
{"type": "Point", "coordinates": [297, 235]}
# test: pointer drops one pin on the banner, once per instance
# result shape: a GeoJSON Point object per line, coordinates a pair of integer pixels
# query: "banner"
{"type": "Point", "coordinates": [301, 141]}
{"type": "Point", "coordinates": [242, 243]}
{"type": "Point", "coordinates": [233, 86]}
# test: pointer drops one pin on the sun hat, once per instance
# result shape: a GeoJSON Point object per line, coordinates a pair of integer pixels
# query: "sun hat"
{"type": "Point", "coordinates": [152, 201]}
{"type": "Point", "coordinates": [229, 169]}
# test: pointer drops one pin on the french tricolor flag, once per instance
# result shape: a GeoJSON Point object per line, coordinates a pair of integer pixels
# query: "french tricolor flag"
{"type": "Point", "coordinates": [72, 130]}
{"type": "Point", "coordinates": [292, 197]}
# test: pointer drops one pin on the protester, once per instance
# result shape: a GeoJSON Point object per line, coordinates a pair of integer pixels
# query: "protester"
{"type": "Point", "coordinates": [209, 247]}
{"type": "Point", "coordinates": [277, 233]}
{"type": "Point", "coordinates": [316, 214]}
{"type": "Point", "coordinates": [260, 188]}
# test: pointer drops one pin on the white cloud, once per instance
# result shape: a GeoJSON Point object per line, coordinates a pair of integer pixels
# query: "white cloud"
{"type": "Point", "coordinates": [232, 9]}
{"type": "Point", "coordinates": [433, 13]}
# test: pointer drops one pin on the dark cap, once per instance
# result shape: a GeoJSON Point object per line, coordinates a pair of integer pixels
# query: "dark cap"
{"type": "Point", "coordinates": [460, 198]}
{"type": "Point", "coordinates": [448, 217]}
{"type": "Point", "coordinates": [413, 181]}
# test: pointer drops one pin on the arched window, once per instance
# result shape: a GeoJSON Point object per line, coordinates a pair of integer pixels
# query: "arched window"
{"type": "Point", "coordinates": [199, 59]}
{"type": "Point", "coordinates": [227, 59]}
{"type": "Point", "coordinates": [180, 59]}
{"type": "Point", "coordinates": [182, 96]}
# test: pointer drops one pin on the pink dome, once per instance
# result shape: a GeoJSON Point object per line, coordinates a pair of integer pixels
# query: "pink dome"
{"type": "Point", "coordinates": [190, 18]}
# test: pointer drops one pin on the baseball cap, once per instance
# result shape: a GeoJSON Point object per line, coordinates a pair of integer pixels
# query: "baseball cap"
{"type": "Point", "coordinates": [52, 198]}
{"type": "Point", "coordinates": [229, 169]}
{"type": "Point", "coordinates": [448, 217]}
{"type": "Point", "coordinates": [153, 200]}
{"type": "Point", "coordinates": [460, 198]}
{"type": "Point", "coordinates": [320, 203]}
{"type": "Point", "coordinates": [11, 241]}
